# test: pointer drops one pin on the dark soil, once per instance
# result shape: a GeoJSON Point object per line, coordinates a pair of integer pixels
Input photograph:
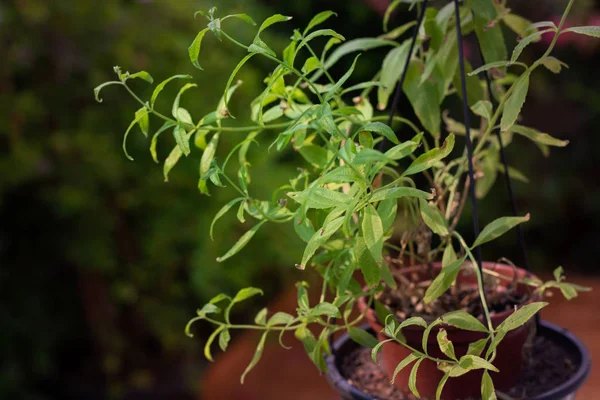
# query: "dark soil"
{"type": "Point", "coordinates": [550, 366]}
{"type": "Point", "coordinates": [407, 300]}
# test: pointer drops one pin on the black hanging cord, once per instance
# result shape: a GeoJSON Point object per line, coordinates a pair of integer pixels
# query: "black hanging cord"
{"type": "Point", "coordinates": [398, 93]}
{"type": "Point", "coordinates": [463, 81]}
{"type": "Point", "coordinates": [504, 159]}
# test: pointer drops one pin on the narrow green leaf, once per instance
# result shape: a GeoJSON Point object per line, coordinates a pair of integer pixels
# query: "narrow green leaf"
{"type": "Point", "coordinates": [403, 364]}
{"type": "Point", "coordinates": [211, 339]}
{"type": "Point", "coordinates": [327, 309]}
{"type": "Point", "coordinates": [273, 19]}
{"type": "Point", "coordinates": [352, 46]}
{"type": "Point", "coordinates": [387, 210]}
{"type": "Point", "coordinates": [243, 17]}
{"type": "Point", "coordinates": [445, 344]}
{"type": "Point", "coordinates": [372, 229]}
{"type": "Point", "coordinates": [391, 70]}
{"type": "Point", "coordinates": [164, 127]}
{"type": "Point", "coordinates": [184, 88]}
{"type": "Point", "coordinates": [513, 105]}
{"type": "Point", "coordinates": [382, 129]}
{"type": "Point", "coordinates": [495, 64]}
{"type": "Point", "coordinates": [257, 355]}
{"type": "Point", "coordinates": [593, 31]}
{"type": "Point", "coordinates": [463, 320]}
{"type": "Point", "coordinates": [261, 317]}
{"type": "Point", "coordinates": [368, 156]}
{"type": "Point", "coordinates": [194, 49]}
{"type": "Point", "coordinates": [498, 228]}
{"type": "Point", "coordinates": [280, 318]}
{"type": "Point", "coordinates": [142, 75]}
{"type": "Point", "coordinates": [206, 161]}
{"type": "Point", "coordinates": [524, 43]}
{"type": "Point", "coordinates": [440, 388]}
{"type": "Point", "coordinates": [320, 198]}
{"type": "Point", "coordinates": [181, 138]}
{"type": "Point", "coordinates": [170, 161]}
{"type": "Point", "coordinates": [402, 150]}
{"type": "Point", "coordinates": [232, 77]}
{"type": "Point", "coordinates": [433, 218]}
{"type": "Point", "coordinates": [483, 108]}
{"type": "Point", "coordinates": [521, 316]}
{"type": "Point", "coordinates": [377, 348]}
{"type": "Point", "coordinates": [412, 379]}
{"type": "Point", "coordinates": [320, 238]}
{"type": "Point", "coordinates": [487, 387]}
{"type": "Point", "coordinates": [470, 363]}
{"type": "Point", "coordinates": [242, 242]}
{"type": "Point", "coordinates": [224, 338]}
{"type": "Point", "coordinates": [133, 123]}
{"type": "Point", "coordinates": [427, 160]}
{"type": "Point", "coordinates": [449, 255]}
{"type": "Point", "coordinates": [320, 32]}
{"type": "Point", "coordinates": [398, 192]}
{"type": "Point", "coordinates": [333, 91]}
{"type": "Point", "coordinates": [310, 65]}
{"type": "Point", "coordinates": [366, 262]}
{"type": "Point", "coordinates": [477, 347]}
{"type": "Point", "coordinates": [144, 120]}
{"type": "Point", "coordinates": [362, 337]}
{"type": "Point", "coordinates": [443, 281]}
{"type": "Point", "coordinates": [538, 137]}
{"type": "Point", "coordinates": [303, 227]}
{"type": "Point", "coordinates": [318, 19]}
{"type": "Point", "coordinates": [222, 212]}
{"type": "Point", "coordinates": [316, 155]}
{"type": "Point", "coordinates": [553, 64]}
{"type": "Point", "coordinates": [98, 88]}
{"type": "Point", "coordinates": [490, 38]}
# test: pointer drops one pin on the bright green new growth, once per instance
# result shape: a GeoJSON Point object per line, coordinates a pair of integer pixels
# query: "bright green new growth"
{"type": "Point", "coordinates": [346, 198]}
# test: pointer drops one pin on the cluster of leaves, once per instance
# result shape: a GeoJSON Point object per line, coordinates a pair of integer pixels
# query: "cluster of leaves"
{"type": "Point", "coordinates": [348, 193]}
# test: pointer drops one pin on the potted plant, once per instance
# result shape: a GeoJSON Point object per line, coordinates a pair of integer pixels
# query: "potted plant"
{"type": "Point", "coordinates": [378, 210]}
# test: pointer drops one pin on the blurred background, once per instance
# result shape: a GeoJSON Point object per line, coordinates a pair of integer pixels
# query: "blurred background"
{"type": "Point", "coordinates": [102, 263]}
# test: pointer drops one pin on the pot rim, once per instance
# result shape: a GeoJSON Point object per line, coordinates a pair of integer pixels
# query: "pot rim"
{"type": "Point", "coordinates": [496, 318]}
{"type": "Point", "coordinates": [556, 333]}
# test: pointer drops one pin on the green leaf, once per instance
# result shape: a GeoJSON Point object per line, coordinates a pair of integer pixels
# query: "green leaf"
{"type": "Point", "coordinates": [319, 239]}
{"type": "Point", "coordinates": [280, 318]}
{"type": "Point", "coordinates": [449, 255]}
{"type": "Point", "coordinates": [242, 242]}
{"type": "Point", "coordinates": [490, 38]}
{"type": "Point", "coordinates": [381, 129]}
{"type": "Point", "coordinates": [273, 19]}
{"type": "Point", "coordinates": [433, 218]}
{"type": "Point", "coordinates": [333, 91]}
{"type": "Point", "coordinates": [518, 24]}
{"type": "Point", "coordinates": [243, 17]}
{"type": "Point", "coordinates": [593, 31]}
{"type": "Point", "coordinates": [316, 155]}
{"type": "Point", "coordinates": [366, 262]}
{"type": "Point", "coordinates": [362, 337]}
{"type": "Point", "coordinates": [403, 364]}
{"type": "Point", "coordinates": [142, 75]}
{"type": "Point", "coordinates": [484, 9]}
{"type": "Point", "coordinates": [98, 88]}
{"type": "Point", "coordinates": [320, 198]}
{"type": "Point", "coordinates": [553, 64]}
{"type": "Point", "coordinates": [402, 150]}
{"type": "Point", "coordinates": [170, 161]}
{"type": "Point", "coordinates": [412, 378]}
{"type": "Point", "coordinates": [211, 339]}
{"type": "Point", "coordinates": [181, 138]}
{"type": "Point", "coordinates": [261, 317]}
{"type": "Point", "coordinates": [387, 210]}
{"type": "Point", "coordinates": [232, 76]}
{"type": "Point", "coordinates": [483, 108]}
{"type": "Point", "coordinates": [440, 388]}
{"type": "Point", "coordinates": [412, 321]}
{"type": "Point", "coordinates": [144, 121]}
{"type": "Point", "coordinates": [495, 64]}
{"type": "Point", "coordinates": [372, 230]}
{"type": "Point", "coordinates": [136, 120]}
{"type": "Point", "coordinates": [446, 345]}
{"type": "Point", "coordinates": [398, 31]}
{"type": "Point", "coordinates": [391, 70]}
{"type": "Point", "coordinates": [377, 348]}
{"type": "Point", "coordinates": [469, 363]}
{"type": "Point", "coordinates": [222, 212]}
{"type": "Point", "coordinates": [327, 309]}
{"type": "Point", "coordinates": [398, 192]}
{"type": "Point", "coordinates": [175, 107]}
{"type": "Point", "coordinates": [524, 43]}
{"type": "Point", "coordinates": [318, 19]}
{"type": "Point", "coordinates": [257, 355]}
{"type": "Point", "coordinates": [463, 320]}
{"type": "Point", "coordinates": [206, 161]}
{"type": "Point", "coordinates": [513, 105]}
{"type": "Point", "coordinates": [521, 316]}
{"type": "Point", "coordinates": [477, 347]}
{"type": "Point", "coordinates": [194, 49]}
{"type": "Point", "coordinates": [487, 387]}
{"type": "Point", "coordinates": [224, 338]}
{"type": "Point", "coordinates": [352, 46]}
{"type": "Point", "coordinates": [164, 127]}
{"type": "Point", "coordinates": [427, 160]}
{"type": "Point", "coordinates": [367, 156]}
{"type": "Point", "coordinates": [498, 228]}
{"type": "Point", "coordinates": [538, 137]}
{"type": "Point", "coordinates": [303, 227]}
{"type": "Point", "coordinates": [310, 65]}
{"type": "Point", "coordinates": [489, 173]}
{"type": "Point", "coordinates": [320, 32]}
{"type": "Point", "coordinates": [443, 281]}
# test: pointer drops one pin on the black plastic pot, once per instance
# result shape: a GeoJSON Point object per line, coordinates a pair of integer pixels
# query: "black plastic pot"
{"type": "Point", "coordinates": [559, 335]}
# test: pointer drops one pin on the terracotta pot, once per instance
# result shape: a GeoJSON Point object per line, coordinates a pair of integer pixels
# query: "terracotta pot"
{"type": "Point", "coordinates": [509, 359]}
